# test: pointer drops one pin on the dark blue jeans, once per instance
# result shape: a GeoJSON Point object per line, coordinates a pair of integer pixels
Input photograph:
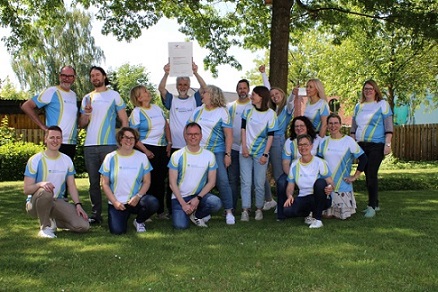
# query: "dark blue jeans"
{"type": "Point", "coordinates": [118, 220]}
{"type": "Point", "coordinates": [374, 152]}
{"type": "Point", "coordinates": [302, 206]}
{"type": "Point", "coordinates": [158, 174]}
{"type": "Point", "coordinates": [209, 204]}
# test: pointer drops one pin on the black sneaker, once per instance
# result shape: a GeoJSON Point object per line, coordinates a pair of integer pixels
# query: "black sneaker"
{"type": "Point", "coordinates": [94, 220]}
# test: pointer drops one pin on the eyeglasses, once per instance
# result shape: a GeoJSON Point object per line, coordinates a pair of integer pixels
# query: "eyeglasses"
{"type": "Point", "coordinates": [368, 89]}
{"type": "Point", "coordinates": [193, 134]}
{"type": "Point", "coordinates": [128, 138]}
{"type": "Point", "coordinates": [67, 76]}
{"type": "Point", "coordinates": [299, 126]}
{"type": "Point", "coordinates": [303, 145]}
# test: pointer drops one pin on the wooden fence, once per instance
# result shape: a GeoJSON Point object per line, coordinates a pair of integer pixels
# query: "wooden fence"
{"type": "Point", "coordinates": [411, 142]}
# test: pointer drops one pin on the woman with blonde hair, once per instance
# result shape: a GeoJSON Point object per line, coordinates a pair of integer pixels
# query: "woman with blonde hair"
{"type": "Point", "coordinates": [317, 109]}
{"type": "Point", "coordinates": [155, 141]}
{"type": "Point", "coordinates": [217, 136]}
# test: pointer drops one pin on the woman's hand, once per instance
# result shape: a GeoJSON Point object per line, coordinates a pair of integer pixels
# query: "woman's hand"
{"type": "Point", "coordinates": [263, 160]}
{"type": "Point", "coordinates": [289, 201]}
{"type": "Point", "coordinates": [387, 149]}
{"type": "Point", "coordinates": [328, 189]}
{"type": "Point", "coordinates": [149, 154]}
{"type": "Point", "coordinates": [350, 179]}
{"type": "Point", "coordinates": [227, 160]}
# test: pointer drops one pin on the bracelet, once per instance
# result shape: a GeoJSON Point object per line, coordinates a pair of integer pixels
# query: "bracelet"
{"type": "Point", "coordinates": [199, 198]}
{"type": "Point", "coordinates": [78, 204]}
{"type": "Point", "coordinates": [227, 154]}
{"type": "Point", "coordinates": [138, 195]}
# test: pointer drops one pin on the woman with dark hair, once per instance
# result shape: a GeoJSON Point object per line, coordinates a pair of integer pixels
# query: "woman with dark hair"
{"type": "Point", "coordinates": [372, 128]}
{"type": "Point", "coordinates": [258, 126]}
{"type": "Point", "coordinates": [155, 141]}
{"type": "Point", "coordinates": [313, 178]}
{"type": "Point", "coordinates": [300, 125]}
{"type": "Point", "coordinates": [217, 136]}
{"type": "Point", "coordinates": [340, 151]}
{"type": "Point", "coordinates": [125, 180]}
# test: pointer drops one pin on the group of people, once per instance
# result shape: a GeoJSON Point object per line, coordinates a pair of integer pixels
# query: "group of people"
{"type": "Point", "coordinates": [206, 143]}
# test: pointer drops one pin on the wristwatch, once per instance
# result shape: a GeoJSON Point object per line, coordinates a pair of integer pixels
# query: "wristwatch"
{"type": "Point", "coordinates": [388, 144]}
{"type": "Point", "coordinates": [265, 155]}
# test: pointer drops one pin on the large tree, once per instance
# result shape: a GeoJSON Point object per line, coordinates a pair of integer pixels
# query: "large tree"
{"type": "Point", "coordinates": [125, 77]}
{"type": "Point", "coordinates": [219, 25]}
{"type": "Point", "coordinates": [70, 43]}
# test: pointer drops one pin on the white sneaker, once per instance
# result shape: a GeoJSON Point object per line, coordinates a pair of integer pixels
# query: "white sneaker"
{"type": "Point", "coordinates": [316, 224]}
{"type": "Point", "coordinates": [46, 232]}
{"type": "Point", "coordinates": [53, 226]}
{"type": "Point", "coordinates": [206, 218]}
{"type": "Point", "coordinates": [230, 219]}
{"type": "Point", "coordinates": [140, 227]}
{"type": "Point", "coordinates": [244, 216]}
{"type": "Point", "coordinates": [269, 205]}
{"type": "Point", "coordinates": [370, 212]}
{"type": "Point", "coordinates": [258, 215]}
{"type": "Point", "coordinates": [196, 221]}
{"type": "Point", "coordinates": [309, 220]}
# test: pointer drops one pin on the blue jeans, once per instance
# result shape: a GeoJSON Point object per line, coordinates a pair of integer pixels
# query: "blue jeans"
{"type": "Point", "coordinates": [118, 220]}
{"type": "Point", "coordinates": [234, 176]}
{"type": "Point", "coordinates": [222, 182]}
{"type": "Point", "coordinates": [275, 160]}
{"type": "Point", "coordinates": [94, 156]}
{"type": "Point", "coordinates": [302, 206]}
{"type": "Point", "coordinates": [158, 174]}
{"type": "Point", "coordinates": [249, 166]}
{"type": "Point", "coordinates": [208, 205]}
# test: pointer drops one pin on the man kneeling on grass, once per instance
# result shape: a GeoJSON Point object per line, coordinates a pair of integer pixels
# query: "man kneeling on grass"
{"type": "Point", "coordinates": [192, 174]}
{"type": "Point", "coordinates": [46, 178]}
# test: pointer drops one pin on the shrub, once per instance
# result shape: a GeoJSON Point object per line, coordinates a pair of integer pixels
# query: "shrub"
{"type": "Point", "coordinates": [7, 134]}
{"type": "Point", "coordinates": [79, 161]}
{"type": "Point", "coordinates": [13, 159]}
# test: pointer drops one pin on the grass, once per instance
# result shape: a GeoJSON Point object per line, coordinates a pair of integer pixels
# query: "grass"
{"type": "Point", "coordinates": [396, 251]}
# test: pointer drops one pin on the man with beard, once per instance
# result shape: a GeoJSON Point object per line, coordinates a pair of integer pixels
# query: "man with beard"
{"type": "Point", "coordinates": [99, 110]}
{"type": "Point", "coordinates": [60, 105]}
{"type": "Point", "coordinates": [236, 108]}
{"type": "Point", "coordinates": [180, 109]}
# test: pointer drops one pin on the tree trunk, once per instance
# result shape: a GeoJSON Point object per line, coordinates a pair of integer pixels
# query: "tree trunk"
{"type": "Point", "coordinates": [278, 63]}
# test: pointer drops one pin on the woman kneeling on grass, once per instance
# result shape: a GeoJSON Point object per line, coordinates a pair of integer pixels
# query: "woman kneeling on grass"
{"type": "Point", "coordinates": [313, 178]}
{"type": "Point", "coordinates": [125, 180]}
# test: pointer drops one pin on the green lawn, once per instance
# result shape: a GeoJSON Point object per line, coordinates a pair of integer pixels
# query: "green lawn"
{"type": "Point", "coordinates": [396, 251]}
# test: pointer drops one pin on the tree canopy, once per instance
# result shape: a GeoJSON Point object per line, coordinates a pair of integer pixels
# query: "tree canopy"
{"type": "Point", "coordinates": [70, 43]}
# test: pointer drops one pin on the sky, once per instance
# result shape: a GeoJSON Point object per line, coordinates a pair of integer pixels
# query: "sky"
{"type": "Point", "coordinates": [151, 51]}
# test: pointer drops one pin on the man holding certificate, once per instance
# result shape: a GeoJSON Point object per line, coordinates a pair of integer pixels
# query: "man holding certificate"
{"type": "Point", "coordinates": [181, 107]}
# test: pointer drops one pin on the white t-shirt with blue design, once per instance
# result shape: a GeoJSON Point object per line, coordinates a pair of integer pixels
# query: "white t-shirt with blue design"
{"type": "Point", "coordinates": [304, 175]}
{"type": "Point", "coordinates": [101, 129]}
{"type": "Point", "coordinates": [340, 155]}
{"type": "Point", "coordinates": [45, 169]}
{"type": "Point", "coordinates": [193, 168]}
{"type": "Point", "coordinates": [61, 110]}
{"type": "Point", "coordinates": [369, 118]}
{"type": "Point", "coordinates": [212, 123]}
{"type": "Point", "coordinates": [150, 123]}
{"type": "Point", "coordinates": [125, 173]}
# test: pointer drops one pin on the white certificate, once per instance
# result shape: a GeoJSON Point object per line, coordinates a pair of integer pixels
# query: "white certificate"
{"type": "Point", "coordinates": [180, 59]}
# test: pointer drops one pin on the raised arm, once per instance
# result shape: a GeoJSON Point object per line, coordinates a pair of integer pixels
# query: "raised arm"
{"type": "Point", "coordinates": [266, 82]}
{"type": "Point", "coordinates": [201, 81]}
{"type": "Point", "coordinates": [162, 86]}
